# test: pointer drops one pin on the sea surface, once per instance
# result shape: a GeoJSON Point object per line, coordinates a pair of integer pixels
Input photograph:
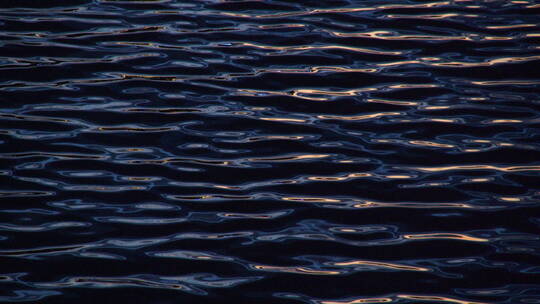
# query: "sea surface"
{"type": "Point", "coordinates": [317, 152]}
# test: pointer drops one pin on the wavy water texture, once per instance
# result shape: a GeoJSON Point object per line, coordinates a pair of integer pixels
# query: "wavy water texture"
{"type": "Point", "coordinates": [270, 151]}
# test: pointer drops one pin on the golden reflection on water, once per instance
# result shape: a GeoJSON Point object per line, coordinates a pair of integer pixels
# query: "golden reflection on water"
{"type": "Point", "coordinates": [317, 69]}
{"type": "Point", "coordinates": [435, 236]}
{"type": "Point", "coordinates": [393, 102]}
{"type": "Point", "coordinates": [421, 143]}
{"type": "Point", "coordinates": [289, 158]}
{"type": "Point", "coordinates": [438, 299]}
{"type": "Point", "coordinates": [440, 62]}
{"type": "Point", "coordinates": [397, 297]}
{"type": "Point", "coordinates": [505, 121]}
{"type": "Point", "coordinates": [297, 270]}
{"type": "Point", "coordinates": [316, 47]}
{"type": "Point", "coordinates": [431, 16]}
{"type": "Point", "coordinates": [430, 144]}
{"type": "Point", "coordinates": [311, 199]}
{"type": "Point", "coordinates": [387, 35]}
{"type": "Point", "coordinates": [510, 199]}
{"type": "Point", "coordinates": [325, 95]}
{"type": "Point", "coordinates": [276, 137]}
{"type": "Point", "coordinates": [398, 176]}
{"type": "Point", "coordinates": [373, 204]}
{"type": "Point", "coordinates": [339, 178]}
{"type": "Point", "coordinates": [360, 301]}
{"type": "Point", "coordinates": [380, 264]}
{"type": "Point", "coordinates": [337, 10]}
{"type": "Point", "coordinates": [283, 119]}
{"type": "Point", "coordinates": [505, 82]}
{"type": "Point", "coordinates": [360, 117]}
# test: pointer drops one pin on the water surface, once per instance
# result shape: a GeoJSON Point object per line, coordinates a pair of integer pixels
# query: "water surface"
{"type": "Point", "coordinates": [320, 152]}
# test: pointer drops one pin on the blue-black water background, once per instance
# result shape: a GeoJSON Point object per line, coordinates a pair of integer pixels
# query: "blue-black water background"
{"type": "Point", "coordinates": [319, 152]}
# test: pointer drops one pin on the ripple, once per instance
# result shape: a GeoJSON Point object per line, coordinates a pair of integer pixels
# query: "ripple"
{"type": "Point", "coordinates": [269, 151]}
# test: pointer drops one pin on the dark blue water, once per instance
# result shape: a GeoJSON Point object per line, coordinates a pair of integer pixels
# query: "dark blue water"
{"type": "Point", "coordinates": [320, 152]}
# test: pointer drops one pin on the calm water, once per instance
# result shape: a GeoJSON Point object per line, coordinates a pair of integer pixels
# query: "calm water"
{"type": "Point", "coordinates": [320, 152]}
